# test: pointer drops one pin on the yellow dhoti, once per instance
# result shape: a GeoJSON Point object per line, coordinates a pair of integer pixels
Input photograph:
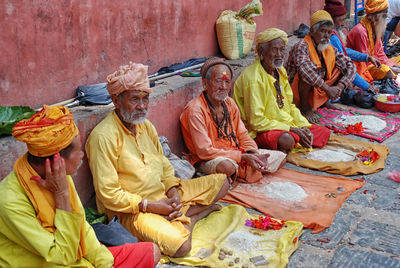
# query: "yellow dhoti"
{"type": "Point", "coordinates": [170, 235]}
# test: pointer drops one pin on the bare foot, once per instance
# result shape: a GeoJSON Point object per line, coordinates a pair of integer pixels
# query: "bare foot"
{"type": "Point", "coordinates": [311, 116]}
{"type": "Point", "coordinates": [333, 106]}
{"type": "Point", "coordinates": [195, 218]}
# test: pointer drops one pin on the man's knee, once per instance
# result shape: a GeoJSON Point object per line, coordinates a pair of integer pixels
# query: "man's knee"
{"type": "Point", "coordinates": [156, 253]}
{"type": "Point", "coordinates": [184, 249]}
{"type": "Point", "coordinates": [226, 167]}
{"type": "Point", "coordinates": [286, 142]}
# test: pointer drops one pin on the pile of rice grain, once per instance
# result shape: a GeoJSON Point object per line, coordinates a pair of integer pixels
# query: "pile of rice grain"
{"type": "Point", "coordinates": [328, 155]}
{"type": "Point", "coordinates": [286, 191]}
{"type": "Point", "coordinates": [370, 122]}
{"type": "Point", "coordinates": [243, 240]}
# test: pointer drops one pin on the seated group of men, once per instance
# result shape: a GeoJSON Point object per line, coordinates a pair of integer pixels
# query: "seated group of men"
{"type": "Point", "coordinates": [41, 218]}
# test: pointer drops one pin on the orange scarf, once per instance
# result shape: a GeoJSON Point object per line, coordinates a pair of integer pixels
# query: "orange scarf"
{"type": "Point", "coordinates": [367, 25]}
{"type": "Point", "coordinates": [328, 55]}
{"type": "Point", "coordinates": [43, 200]}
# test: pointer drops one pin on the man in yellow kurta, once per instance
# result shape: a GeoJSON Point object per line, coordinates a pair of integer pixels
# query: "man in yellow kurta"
{"type": "Point", "coordinates": [42, 222]}
{"type": "Point", "coordinates": [264, 97]}
{"type": "Point", "coordinates": [134, 180]}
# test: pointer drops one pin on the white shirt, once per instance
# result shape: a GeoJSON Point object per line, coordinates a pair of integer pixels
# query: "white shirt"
{"type": "Point", "coordinates": [394, 9]}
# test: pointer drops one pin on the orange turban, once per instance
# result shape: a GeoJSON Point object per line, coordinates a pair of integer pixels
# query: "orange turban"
{"type": "Point", "coordinates": [48, 131]}
{"type": "Point", "coordinates": [129, 77]}
{"type": "Point", "coordinates": [320, 15]}
{"type": "Point", "coordinates": [373, 6]}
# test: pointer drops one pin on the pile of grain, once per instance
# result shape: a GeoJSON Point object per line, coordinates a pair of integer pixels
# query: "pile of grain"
{"type": "Point", "coordinates": [370, 123]}
{"type": "Point", "coordinates": [329, 155]}
{"type": "Point", "coordinates": [286, 191]}
{"type": "Point", "coordinates": [243, 240]}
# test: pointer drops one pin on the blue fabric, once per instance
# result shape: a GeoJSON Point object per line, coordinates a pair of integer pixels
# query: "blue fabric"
{"type": "Point", "coordinates": [355, 56]}
{"type": "Point", "coordinates": [391, 26]}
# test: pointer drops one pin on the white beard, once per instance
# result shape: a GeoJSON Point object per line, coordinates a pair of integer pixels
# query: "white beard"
{"type": "Point", "coordinates": [279, 65]}
{"type": "Point", "coordinates": [130, 117]}
{"type": "Point", "coordinates": [342, 36]}
{"type": "Point", "coordinates": [379, 29]}
{"type": "Point", "coordinates": [322, 47]}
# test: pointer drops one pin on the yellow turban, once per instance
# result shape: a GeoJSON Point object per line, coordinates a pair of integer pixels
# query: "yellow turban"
{"type": "Point", "coordinates": [269, 35]}
{"type": "Point", "coordinates": [129, 77]}
{"type": "Point", "coordinates": [373, 6]}
{"type": "Point", "coordinates": [48, 131]}
{"type": "Point", "coordinates": [318, 16]}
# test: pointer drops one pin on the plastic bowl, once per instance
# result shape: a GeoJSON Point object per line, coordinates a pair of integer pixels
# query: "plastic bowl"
{"type": "Point", "coordinates": [388, 106]}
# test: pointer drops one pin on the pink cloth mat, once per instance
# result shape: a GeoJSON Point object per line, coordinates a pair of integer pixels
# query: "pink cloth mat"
{"type": "Point", "coordinates": [328, 119]}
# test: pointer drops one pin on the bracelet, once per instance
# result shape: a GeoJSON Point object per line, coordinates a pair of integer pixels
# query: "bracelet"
{"type": "Point", "coordinates": [144, 205]}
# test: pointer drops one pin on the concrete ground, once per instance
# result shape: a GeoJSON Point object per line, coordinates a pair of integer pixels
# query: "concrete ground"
{"type": "Point", "coordinates": [365, 232]}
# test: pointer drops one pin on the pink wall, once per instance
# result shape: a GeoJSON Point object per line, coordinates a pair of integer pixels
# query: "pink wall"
{"type": "Point", "coordinates": [51, 47]}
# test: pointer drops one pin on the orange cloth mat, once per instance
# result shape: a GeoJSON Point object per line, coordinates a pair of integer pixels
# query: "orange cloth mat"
{"type": "Point", "coordinates": [345, 168]}
{"type": "Point", "coordinates": [325, 196]}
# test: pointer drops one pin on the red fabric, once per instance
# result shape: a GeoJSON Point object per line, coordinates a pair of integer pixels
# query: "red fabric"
{"type": "Point", "coordinates": [139, 255]}
{"type": "Point", "coordinates": [269, 139]}
{"type": "Point", "coordinates": [335, 8]}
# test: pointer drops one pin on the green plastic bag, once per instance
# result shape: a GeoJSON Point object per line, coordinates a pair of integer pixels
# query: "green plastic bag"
{"type": "Point", "coordinates": [11, 115]}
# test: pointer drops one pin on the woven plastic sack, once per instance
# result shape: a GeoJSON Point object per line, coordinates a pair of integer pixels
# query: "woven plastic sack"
{"type": "Point", "coordinates": [236, 30]}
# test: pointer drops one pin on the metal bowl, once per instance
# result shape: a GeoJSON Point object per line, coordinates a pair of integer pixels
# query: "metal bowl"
{"type": "Point", "coordinates": [388, 106]}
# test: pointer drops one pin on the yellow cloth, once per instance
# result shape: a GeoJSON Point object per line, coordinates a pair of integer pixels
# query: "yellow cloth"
{"type": "Point", "coordinates": [379, 73]}
{"type": "Point", "coordinates": [255, 95]}
{"type": "Point", "coordinates": [43, 200]}
{"type": "Point", "coordinates": [48, 131]}
{"type": "Point", "coordinates": [129, 77]}
{"type": "Point", "coordinates": [320, 15]}
{"type": "Point", "coordinates": [210, 235]}
{"type": "Point", "coordinates": [373, 6]}
{"type": "Point", "coordinates": [25, 243]}
{"type": "Point", "coordinates": [127, 168]}
{"type": "Point", "coordinates": [269, 35]}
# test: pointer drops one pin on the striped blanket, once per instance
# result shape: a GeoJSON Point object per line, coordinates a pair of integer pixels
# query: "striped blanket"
{"type": "Point", "coordinates": [331, 119]}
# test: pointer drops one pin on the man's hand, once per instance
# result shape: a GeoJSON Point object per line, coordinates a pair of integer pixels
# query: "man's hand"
{"type": "Point", "coordinates": [56, 182]}
{"type": "Point", "coordinates": [333, 92]}
{"type": "Point", "coordinates": [306, 136]}
{"type": "Point", "coordinates": [374, 61]}
{"type": "Point", "coordinates": [173, 194]}
{"type": "Point", "coordinates": [257, 161]}
{"type": "Point", "coordinates": [165, 207]}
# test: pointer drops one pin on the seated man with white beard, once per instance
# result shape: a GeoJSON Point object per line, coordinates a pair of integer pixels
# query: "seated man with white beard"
{"type": "Point", "coordinates": [366, 37]}
{"type": "Point", "coordinates": [316, 70]}
{"type": "Point", "coordinates": [135, 181]}
{"type": "Point", "coordinates": [265, 98]}
{"type": "Point", "coordinates": [338, 40]}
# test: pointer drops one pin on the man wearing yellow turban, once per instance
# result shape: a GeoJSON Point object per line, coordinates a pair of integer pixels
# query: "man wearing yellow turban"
{"type": "Point", "coordinates": [366, 37]}
{"type": "Point", "coordinates": [316, 70]}
{"type": "Point", "coordinates": [135, 181]}
{"type": "Point", "coordinates": [42, 222]}
{"type": "Point", "coordinates": [264, 97]}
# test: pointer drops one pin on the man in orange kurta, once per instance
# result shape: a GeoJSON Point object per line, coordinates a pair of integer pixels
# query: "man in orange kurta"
{"type": "Point", "coordinates": [316, 70]}
{"type": "Point", "coordinates": [215, 135]}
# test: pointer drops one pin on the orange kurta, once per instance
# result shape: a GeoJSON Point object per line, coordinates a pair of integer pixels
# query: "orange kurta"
{"type": "Point", "coordinates": [201, 137]}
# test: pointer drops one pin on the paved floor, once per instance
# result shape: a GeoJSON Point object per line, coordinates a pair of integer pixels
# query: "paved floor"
{"type": "Point", "coordinates": [366, 230]}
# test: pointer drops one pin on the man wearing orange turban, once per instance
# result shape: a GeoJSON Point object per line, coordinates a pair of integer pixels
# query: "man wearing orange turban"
{"type": "Point", "coordinates": [316, 71]}
{"type": "Point", "coordinates": [42, 221]}
{"type": "Point", "coordinates": [366, 37]}
{"type": "Point", "coordinates": [135, 181]}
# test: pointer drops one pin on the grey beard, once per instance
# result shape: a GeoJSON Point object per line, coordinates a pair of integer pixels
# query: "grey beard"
{"type": "Point", "coordinates": [322, 47]}
{"type": "Point", "coordinates": [130, 117]}
{"type": "Point", "coordinates": [274, 65]}
{"type": "Point", "coordinates": [379, 29]}
{"type": "Point", "coordinates": [342, 36]}
{"type": "Point", "coordinates": [220, 99]}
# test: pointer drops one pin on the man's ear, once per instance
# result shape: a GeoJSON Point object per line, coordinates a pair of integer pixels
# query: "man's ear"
{"type": "Point", "coordinates": [205, 82]}
{"type": "Point", "coordinates": [116, 100]}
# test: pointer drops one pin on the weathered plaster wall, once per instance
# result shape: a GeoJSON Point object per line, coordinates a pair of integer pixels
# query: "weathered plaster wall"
{"type": "Point", "coordinates": [51, 47]}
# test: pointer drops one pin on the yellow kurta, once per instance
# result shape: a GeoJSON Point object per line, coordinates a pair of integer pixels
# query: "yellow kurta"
{"type": "Point", "coordinates": [127, 168]}
{"type": "Point", "coordinates": [255, 96]}
{"type": "Point", "coordinates": [25, 243]}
